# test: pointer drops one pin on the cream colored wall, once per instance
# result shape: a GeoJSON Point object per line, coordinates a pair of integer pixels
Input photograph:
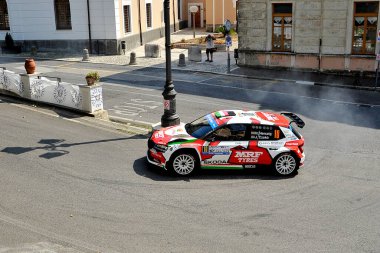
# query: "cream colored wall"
{"type": "Point", "coordinates": [185, 10]}
{"type": "Point", "coordinates": [229, 12]}
{"type": "Point", "coordinates": [157, 15]}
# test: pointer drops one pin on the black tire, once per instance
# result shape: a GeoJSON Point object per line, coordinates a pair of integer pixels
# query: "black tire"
{"type": "Point", "coordinates": [183, 163]}
{"type": "Point", "coordinates": [285, 164]}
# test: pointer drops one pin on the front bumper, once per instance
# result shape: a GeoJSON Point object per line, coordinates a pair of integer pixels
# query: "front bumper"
{"type": "Point", "coordinates": [153, 159]}
{"type": "Point", "coordinates": [302, 159]}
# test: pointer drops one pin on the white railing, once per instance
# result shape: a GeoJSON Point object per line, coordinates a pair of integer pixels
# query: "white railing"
{"type": "Point", "coordinates": [76, 96]}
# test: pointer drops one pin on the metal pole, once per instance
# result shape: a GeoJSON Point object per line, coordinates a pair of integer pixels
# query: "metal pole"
{"type": "Point", "coordinates": [170, 117]}
{"type": "Point", "coordinates": [228, 61]}
{"type": "Point", "coordinates": [193, 25]}
{"type": "Point", "coordinates": [377, 73]}
{"type": "Point", "coordinates": [89, 27]}
{"type": "Point", "coordinates": [213, 15]}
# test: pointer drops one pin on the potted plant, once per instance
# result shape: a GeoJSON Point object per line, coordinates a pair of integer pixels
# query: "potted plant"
{"type": "Point", "coordinates": [92, 77]}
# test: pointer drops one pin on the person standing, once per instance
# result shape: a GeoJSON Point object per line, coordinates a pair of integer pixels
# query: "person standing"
{"type": "Point", "coordinates": [210, 47]}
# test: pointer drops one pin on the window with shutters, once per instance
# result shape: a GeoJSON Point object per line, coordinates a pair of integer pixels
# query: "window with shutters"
{"type": "Point", "coordinates": [282, 22]}
{"type": "Point", "coordinates": [179, 9]}
{"type": "Point", "coordinates": [62, 14]}
{"type": "Point", "coordinates": [365, 27]}
{"type": "Point", "coordinates": [149, 15]}
{"type": "Point", "coordinates": [127, 18]}
{"type": "Point", "coordinates": [4, 18]}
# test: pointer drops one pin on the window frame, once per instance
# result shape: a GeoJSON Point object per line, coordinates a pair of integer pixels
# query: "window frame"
{"type": "Point", "coordinates": [62, 24]}
{"type": "Point", "coordinates": [129, 18]}
{"type": "Point", "coordinates": [273, 135]}
{"type": "Point", "coordinates": [149, 16]}
{"type": "Point", "coordinates": [283, 15]}
{"type": "Point", "coordinates": [5, 18]}
{"type": "Point", "coordinates": [363, 51]}
{"type": "Point", "coordinates": [211, 135]}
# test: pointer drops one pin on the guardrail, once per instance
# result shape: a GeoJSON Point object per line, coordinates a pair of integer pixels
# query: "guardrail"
{"type": "Point", "coordinates": [81, 97]}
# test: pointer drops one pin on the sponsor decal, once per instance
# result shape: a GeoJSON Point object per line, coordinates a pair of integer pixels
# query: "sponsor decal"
{"type": "Point", "coordinates": [259, 135]}
{"type": "Point", "coordinates": [248, 114]}
{"type": "Point", "coordinates": [220, 114]}
{"type": "Point", "coordinates": [215, 150]}
{"type": "Point", "coordinates": [214, 161]}
{"type": "Point", "coordinates": [159, 135]}
{"type": "Point", "coordinates": [211, 121]}
{"type": "Point", "coordinates": [249, 166]}
{"type": "Point", "coordinates": [277, 134]}
{"type": "Point", "coordinates": [270, 116]}
{"type": "Point", "coordinates": [174, 147]}
{"type": "Point", "coordinates": [288, 133]}
{"type": "Point", "coordinates": [247, 156]}
{"type": "Point", "coordinates": [271, 143]}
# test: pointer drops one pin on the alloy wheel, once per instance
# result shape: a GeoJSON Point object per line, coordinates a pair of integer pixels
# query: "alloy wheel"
{"type": "Point", "coordinates": [285, 164]}
{"type": "Point", "coordinates": [183, 164]}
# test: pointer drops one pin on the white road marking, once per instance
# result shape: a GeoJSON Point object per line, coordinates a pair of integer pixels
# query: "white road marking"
{"type": "Point", "coordinates": [255, 90]}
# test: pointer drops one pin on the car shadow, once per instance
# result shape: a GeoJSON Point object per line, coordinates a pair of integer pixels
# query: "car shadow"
{"type": "Point", "coordinates": [58, 147]}
{"type": "Point", "coordinates": [143, 168]}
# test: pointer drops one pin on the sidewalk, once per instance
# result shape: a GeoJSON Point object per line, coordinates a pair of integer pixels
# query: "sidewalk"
{"type": "Point", "coordinates": [219, 65]}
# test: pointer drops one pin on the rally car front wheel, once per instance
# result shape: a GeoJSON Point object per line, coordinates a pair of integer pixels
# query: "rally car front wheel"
{"type": "Point", "coordinates": [183, 164]}
{"type": "Point", "coordinates": [285, 164]}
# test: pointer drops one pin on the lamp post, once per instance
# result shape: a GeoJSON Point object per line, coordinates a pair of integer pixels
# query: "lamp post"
{"type": "Point", "coordinates": [193, 10]}
{"type": "Point", "coordinates": [170, 117]}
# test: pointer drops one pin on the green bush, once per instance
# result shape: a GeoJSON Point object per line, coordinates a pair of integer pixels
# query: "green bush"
{"type": "Point", "coordinates": [222, 29]}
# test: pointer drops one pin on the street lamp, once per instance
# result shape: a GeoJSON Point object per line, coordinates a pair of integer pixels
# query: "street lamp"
{"type": "Point", "coordinates": [170, 117]}
{"type": "Point", "coordinates": [193, 10]}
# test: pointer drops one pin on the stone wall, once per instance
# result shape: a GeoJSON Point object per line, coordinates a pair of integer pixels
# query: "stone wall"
{"type": "Point", "coordinates": [321, 33]}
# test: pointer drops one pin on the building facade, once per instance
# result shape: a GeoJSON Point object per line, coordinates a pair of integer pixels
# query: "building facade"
{"type": "Point", "coordinates": [325, 35]}
{"type": "Point", "coordinates": [104, 26]}
{"type": "Point", "coordinates": [211, 13]}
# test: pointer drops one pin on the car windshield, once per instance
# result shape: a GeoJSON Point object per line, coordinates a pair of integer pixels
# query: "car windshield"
{"type": "Point", "coordinates": [202, 126]}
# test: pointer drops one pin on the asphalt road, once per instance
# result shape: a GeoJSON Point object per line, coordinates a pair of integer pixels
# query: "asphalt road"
{"type": "Point", "coordinates": [79, 185]}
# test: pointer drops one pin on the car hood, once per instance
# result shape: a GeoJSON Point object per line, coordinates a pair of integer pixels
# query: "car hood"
{"type": "Point", "coordinates": [169, 134]}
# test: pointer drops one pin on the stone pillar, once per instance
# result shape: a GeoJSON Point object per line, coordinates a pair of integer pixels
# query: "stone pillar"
{"type": "Point", "coordinates": [92, 98]}
{"type": "Point", "coordinates": [152, 50]}
{"type": "Point", "coordinates": [25, 80]}
{"type": "Point", "coordinates": [195, 53]}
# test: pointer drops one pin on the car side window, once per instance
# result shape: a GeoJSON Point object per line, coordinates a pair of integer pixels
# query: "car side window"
{"type": "Point", "coordinates": [233, 132]}
{"type": "Point", "coordinates": [266, 133]}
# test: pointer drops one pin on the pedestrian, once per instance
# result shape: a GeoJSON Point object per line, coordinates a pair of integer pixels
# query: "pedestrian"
{"type": "Point", "coordinates": [210, 47]}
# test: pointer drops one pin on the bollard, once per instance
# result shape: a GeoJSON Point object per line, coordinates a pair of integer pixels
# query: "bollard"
{"type": "Point", "coordinates": [86, 56]}
{"type": "Point", "coordinates": [132, 60]}
{"type": "Point", "coordinates": [181, 61]}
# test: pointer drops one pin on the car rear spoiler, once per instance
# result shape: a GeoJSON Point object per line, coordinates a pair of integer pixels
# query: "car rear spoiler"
{"type": "Point", "coordinates": [294, 118]}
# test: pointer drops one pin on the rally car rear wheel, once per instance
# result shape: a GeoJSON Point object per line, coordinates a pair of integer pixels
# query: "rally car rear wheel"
{"type": "Point", "coordinates": [183, 164]}
{"type": "Point", "coordinates": [285, 164]}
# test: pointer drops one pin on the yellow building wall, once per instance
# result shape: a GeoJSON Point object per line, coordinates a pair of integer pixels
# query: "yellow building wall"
{"type": "Point", "coordinates": [220, 14]}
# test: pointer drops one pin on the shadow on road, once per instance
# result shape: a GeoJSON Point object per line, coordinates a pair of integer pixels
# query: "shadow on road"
{"type": "Point", "coordinates": [143, 168]}
{"type": "Point", "coordinates": [56, 147]}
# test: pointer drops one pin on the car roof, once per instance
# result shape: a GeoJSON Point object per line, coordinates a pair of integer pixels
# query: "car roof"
{"type": "Point", "coordinates": [249, 117]}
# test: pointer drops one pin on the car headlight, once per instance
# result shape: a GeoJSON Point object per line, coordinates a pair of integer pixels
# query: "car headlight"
{"type": "Point", "coordinates": [160, 147]}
